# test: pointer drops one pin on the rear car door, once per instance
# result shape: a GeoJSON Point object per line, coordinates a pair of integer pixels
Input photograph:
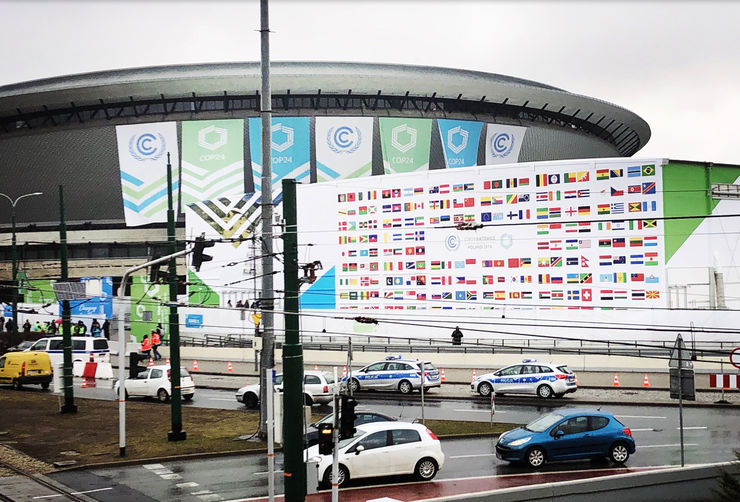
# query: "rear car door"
{"type": "Point", "coordinates": [405, 450]}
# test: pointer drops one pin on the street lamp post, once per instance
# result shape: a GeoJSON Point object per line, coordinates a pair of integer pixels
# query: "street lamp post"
{"type": "Point", "coordinates": [14, 257]}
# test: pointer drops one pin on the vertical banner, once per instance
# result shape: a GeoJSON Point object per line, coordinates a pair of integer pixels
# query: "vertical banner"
{"type": "Point", "coordinates": [460, 139]}
{"type": "Point", "coordinates": [212, 159]}
{"type": "Point", "coordinates": [344, 147]}
{"type": "Point", "coordinates": [503, 143]}
{"type": "Point", "coordinates": [147, 306]}
{"type": "Point", "coordinates": [405, 144]}
{"type": "Point", "coordinates": [142, 158]}
{"type": "Point", "coordinates": [291, 151]}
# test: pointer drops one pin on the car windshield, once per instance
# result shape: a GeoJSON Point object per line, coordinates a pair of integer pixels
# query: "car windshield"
{"type": "Point", "coordinates": [564, 369]}
{"type": "Point", "coordinates": [544, 422]}
{"type": "Point", "coordinates": [329, 377]}
{"type": "Point", "coordinates": [428, 366]}
{"type": "Point", "coordinates": [344, 442]}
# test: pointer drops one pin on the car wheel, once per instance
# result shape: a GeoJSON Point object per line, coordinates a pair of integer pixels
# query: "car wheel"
{"type": "Point", "coordinates": [307, 400]}
{"type": "Point", "coordinates": [536, 457]}
{"type": "Point", "coordinates": [544, 391]}
{"type": "Point", "coordinates": [404, 386]}
{"type": "Point", "coordinates": [188, 397]}
{"type": "Point", "coordinates": [485, 389]}
{"type": "Point", "coordinates": [162, 396]}
{"type": "Point", "coordinates": [619, 453]}
{"type": "Point", "coordinates": [17, 385]}
{"type": "Point", "coordinates": [354, 385]}
{"type": "Point", "coordinates": [250, 401]}
{"type": "Point", "coordinates": [426, 469]}
{"type": "Point", "coordinates": [342, 477]}
{"type": "Point", "coordinates": [45, 385]}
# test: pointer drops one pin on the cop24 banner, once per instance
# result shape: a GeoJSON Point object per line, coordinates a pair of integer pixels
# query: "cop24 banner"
{"type": "Point", "coordinates": [290, 147]}
{"type": "Point", "coordinates": [503, 143]}
{"type": "Point", "coordinates": [344, 147]}
{"type": "Point", "coordinates": [212, 159]}
{"type": "Point", "coordinates": [460, 139]}
{"type": "Point", "coordinates": [405, 144]}
{"type": "Point", "coordinates": [142, 158]}
{"type": "Point", "coordinates": [96, 306]}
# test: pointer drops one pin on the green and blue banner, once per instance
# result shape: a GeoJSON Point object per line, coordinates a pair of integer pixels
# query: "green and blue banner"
{"type": "Point", "coordinates": [460, 140]}
{"type": "Point", "coordinates": [405, 143]}
{"type": "Point", "coordinates": [290, 147]}
{"type": "Point", "coordinates": [212, 159]}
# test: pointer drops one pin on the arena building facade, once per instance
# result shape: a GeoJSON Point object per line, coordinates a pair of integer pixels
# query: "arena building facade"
{"type": "Point", "coordinates": [71, 130]}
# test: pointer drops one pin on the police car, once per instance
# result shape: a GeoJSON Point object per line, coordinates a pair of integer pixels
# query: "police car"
{"type": "Point", "coordinates": [395, 373]}
{"type": "Point", "coordinates": [529, 377]}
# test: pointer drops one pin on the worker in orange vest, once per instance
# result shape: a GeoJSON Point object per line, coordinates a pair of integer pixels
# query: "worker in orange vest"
{"type": "Point", "coordinates": [156, 342]}
{"type": "Point", "coordinates": [146, 346]}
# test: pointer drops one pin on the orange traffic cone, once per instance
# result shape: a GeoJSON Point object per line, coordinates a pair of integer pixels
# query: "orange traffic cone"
{"type": "Point", "coordinates": [576, 375]}
{"type": "Point", "coordinates": [616, 380]}
{"type": "Point", "coordinates": [645, 381]}
{"type": "Point", "coordinates": [474, 375]}
{"type": "Point", "coordinates": [84, 382]}
{"type": "Point", "coordinates": [316, 367]}
{"type": "Point", "coordinates": [344, 371]}
{"type": "Point", "coordinates": [229, 368]}
{"type": "Point", "coordinates": [444, 378]}
{"type": "Point", "coordinates": [195, 365]}
{"type": "Point", "coordinates": [167, 360]}
{"type": "Point", "coordinates": [151, 362]}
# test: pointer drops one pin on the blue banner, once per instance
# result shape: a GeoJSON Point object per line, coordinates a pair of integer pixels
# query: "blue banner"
{"type": "Point", "coordinates": [291, 150]}
{"type": "Point", "coordinates": [96, 306]}
{"type": "Point", "coordinates": [460, 139]}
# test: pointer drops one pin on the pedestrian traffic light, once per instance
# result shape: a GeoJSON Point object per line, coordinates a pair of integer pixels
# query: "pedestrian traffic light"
{"type": "Point", "coordinates": [347, 418]}
{"type": "Point", "coordinates": [198, 257]}
{"type": "Point", "coordinates": [326, 439]}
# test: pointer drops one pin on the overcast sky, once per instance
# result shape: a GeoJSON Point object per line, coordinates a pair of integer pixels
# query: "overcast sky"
{"type": "Point", "coordinates": [676, 64]}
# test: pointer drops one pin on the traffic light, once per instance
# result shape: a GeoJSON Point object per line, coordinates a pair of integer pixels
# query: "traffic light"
{"type": "Point", "coordinates": [326, 438]}
{"type": "Point", "coordinates": [198, 257]}
{"type": "Point", "coordinates": [155, 274]}
{"type": "Point", "coordinates": [347, 418]}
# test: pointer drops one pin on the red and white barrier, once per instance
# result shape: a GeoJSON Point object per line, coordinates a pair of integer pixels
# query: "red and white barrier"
{"type": "Point", "coordinates": [724, 381]}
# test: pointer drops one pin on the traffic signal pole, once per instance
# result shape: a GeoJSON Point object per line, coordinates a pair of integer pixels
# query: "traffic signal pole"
{"type": "Point", "coordinates": [295, 469]}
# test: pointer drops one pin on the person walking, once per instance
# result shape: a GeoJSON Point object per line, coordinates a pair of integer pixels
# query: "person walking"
{"type": "Point", "coordinates": [156, 342]}
{"type": "Point", "coordinates": [146, 346]}
{"type": "Point", "coordinates": [106, 329]}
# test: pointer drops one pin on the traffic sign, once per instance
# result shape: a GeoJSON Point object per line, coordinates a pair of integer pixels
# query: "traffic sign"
{"type": "Point", "coordinates": [685, 360]}
{"type": "Point", "coordinates": [735, 357]}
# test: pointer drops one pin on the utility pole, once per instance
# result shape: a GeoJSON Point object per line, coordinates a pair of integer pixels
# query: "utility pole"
{"type": "Point", "coordinates": [69, 404]}
{"type": "Point", "coordinates": [295, 469]}
{"type": "Point", "coordinates": [268, 292]}
{"type": "Point", "coordinates": [176, 434]}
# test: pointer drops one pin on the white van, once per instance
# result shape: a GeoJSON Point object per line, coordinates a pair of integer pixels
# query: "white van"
{"type": "Point", "coordinates": [82, 348]}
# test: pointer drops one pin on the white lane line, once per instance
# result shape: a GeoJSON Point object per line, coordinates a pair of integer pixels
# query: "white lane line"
{"type": "Point", "coordinates": [477, 455]}
{"type": "Point", "coordinates": [170, 476]}
{"type": "Point", "coordinates": [478, 411]}
{"type": "Point", "coordinates": [642, 430]}
{"type": "Point", "coordinates": [221, 399]}
{"type": "Point", "coordinates": [73, 493]}
{"type": "Point", "coordinates": [694, 428]}
{"type": "Point", "coordinates": [190, 484]}
{"type": "Point", "coordinates": [666, 445]}
{"type": "Point", "coordinates": [153, 466]}
{"type": "Point", "coordinates": [265, 472]}
{"type": "Point", "coordinates": [639, 416]}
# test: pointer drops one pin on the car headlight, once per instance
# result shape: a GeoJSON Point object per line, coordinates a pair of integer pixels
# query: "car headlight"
{"type": "Point", "coordinates": [519, 442]}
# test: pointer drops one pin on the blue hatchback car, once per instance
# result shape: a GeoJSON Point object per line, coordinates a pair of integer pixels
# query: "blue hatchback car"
{"type": "Point", "coordinates": [567, 434]}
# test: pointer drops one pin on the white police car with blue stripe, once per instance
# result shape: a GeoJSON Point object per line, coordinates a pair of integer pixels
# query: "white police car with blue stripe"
{"type": "Point", "coordinates": [394, 373]}
{"type": "Point", "coordinates": [528, 377]}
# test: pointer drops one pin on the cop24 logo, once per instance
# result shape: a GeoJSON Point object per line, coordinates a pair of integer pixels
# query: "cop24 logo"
{"type": "Point", "coordinates": [147, 146]}
{"type": "Point", "coordinates": [344, 139]}
{"type": "Point", "coordinates": [457, 147]}
{"type": "Point", "coordinates": [502, 144]}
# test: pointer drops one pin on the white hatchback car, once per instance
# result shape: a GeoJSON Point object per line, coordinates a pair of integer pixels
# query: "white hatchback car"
{"type": "Point", "coordinates": [154, 381]}
{"type": "Point", "coordinates": [383, 449]}
{"type": "Point", "coordinates": [528, 377]}
{"type": "Point", "coordinates": [318, 387]}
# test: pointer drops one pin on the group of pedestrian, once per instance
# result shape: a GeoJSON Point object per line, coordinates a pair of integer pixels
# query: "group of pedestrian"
{"type": "Point", "coordinates": [240, 304]}
{"type": "Point", "coordinates": [150, 346]}
{"type": "Point", "coordinates": [54, 326]}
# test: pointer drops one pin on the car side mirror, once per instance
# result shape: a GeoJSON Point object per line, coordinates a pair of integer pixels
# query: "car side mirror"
{"type": "Point", "coordinates": [559, 433]}
{"type": "Point", "coordinates": [359, 449]}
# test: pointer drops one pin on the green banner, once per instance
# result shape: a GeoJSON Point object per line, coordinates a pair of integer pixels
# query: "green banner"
{"type": "Point", "coordinates": [405, 143]}
{"type": "Point", "coordinates": [147, 306]}
{"type": "Point", "coordinates": [212, 159]}
{"type": "Point", "coordinates": [199, 293]}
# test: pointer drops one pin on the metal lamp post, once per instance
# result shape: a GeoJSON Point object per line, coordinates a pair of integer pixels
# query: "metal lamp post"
{"type": "Point", "coordinates": [14, 257]}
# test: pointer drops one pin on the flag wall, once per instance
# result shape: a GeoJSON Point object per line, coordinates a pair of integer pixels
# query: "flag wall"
{"type": "Point", "coordinates": [212, 159]}
{"type": "Point", "coordinates": [344, 147]}
{"type": "Point", "coordinates": [142, 158]}
{"type": "Point", "coordinates": [578, 234]}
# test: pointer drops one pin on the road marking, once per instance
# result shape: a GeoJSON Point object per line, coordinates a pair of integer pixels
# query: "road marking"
{"type": "Point", "coordinates": [170, 476]}
{"type": "Point", "coordinates": [639, 416]}
{"type": "Point", "coordinates": [666, 445]}
{"type": "Point", "coordinates": [477, 455]}
{"type": "Point", "coordinates": [72, 493]}
{"type": "Point", "coordinates": [153, 466]}
{"type": "Point", "coordinates": [642, 430]}
{"type": "Point", "coordinates": [478, 411]}
{"type": "Point", "coordinates": [190, 484]}
{"type": "Point", "coordinates": [266, 472]}
{"type": "Point", "coordinates": [696, 427]}
{"type": "Point", "coordinates": [220, 399]}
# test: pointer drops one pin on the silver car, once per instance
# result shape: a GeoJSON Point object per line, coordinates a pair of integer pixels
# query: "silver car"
{"type": "Point", "coordinates": [318, 387]}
